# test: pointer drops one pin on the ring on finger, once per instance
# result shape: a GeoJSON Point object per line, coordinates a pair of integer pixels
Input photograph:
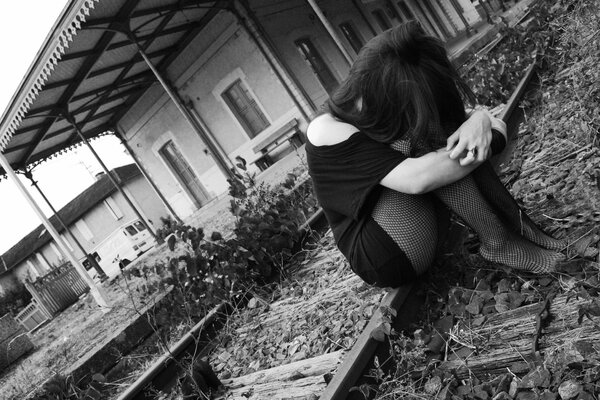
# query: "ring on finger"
{"type": "Point", "coordinates": [473, 152]}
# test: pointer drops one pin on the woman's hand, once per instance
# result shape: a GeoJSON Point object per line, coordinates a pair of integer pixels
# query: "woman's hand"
{"type": "Point", "coordinates": [471, 141]}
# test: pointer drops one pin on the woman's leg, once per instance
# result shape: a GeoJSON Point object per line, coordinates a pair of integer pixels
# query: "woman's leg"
{"type": "Point", "coordinates": [412, 222]}
{"type": "Point", "coordinates": [498, 244]}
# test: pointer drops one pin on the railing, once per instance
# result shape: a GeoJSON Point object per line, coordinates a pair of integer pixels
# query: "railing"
{"type": "Point", "coordinates": [51, 293]}
{"type": "Point", "coordinates": [58, 289]}
{"type": "Point", "coordinates": [32, 316]}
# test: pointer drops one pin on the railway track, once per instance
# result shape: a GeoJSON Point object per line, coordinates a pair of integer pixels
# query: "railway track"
{"type": "Point", "coordinates": [326, 377]}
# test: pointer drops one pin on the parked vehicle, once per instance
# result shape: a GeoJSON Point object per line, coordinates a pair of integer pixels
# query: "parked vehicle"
{"type": "Point", "coordinates": [122, 247]}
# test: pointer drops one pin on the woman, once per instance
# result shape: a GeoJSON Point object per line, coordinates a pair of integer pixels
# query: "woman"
{"type": "Point", "coordinates": [395, 149]}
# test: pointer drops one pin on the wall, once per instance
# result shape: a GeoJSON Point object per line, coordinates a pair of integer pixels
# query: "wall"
{"type": "Point", "coordinates": [100, 222]}
{"type": "Point", "coordinates": [147, 200]}
{"type": "Point", "coordinates": [285, 22]}
{"type": "Point", "coordinates": [223, 53]}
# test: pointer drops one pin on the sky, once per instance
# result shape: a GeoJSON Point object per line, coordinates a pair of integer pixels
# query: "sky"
{"type": "Point", "coordinates": [24, 25]}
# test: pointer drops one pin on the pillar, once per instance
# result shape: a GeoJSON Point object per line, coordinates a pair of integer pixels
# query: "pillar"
{"type": "Point", "coordinates": [201, 129]}
{"type": "Point", "coordinates": [29, 175]}
{"type": "Point", "coordinates": [313, 4]}
{"type": "Point", "coordinates": [149, 179]}
{"type": "Point", "coordinates": [96, 292]}
{"type": "Point", "coordinates": [70, 120]}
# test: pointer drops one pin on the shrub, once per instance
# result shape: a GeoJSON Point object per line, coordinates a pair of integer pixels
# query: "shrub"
{"type": "Point", "coordinates": [495, 75]}
{"type": "Point", "coordinates": [268, 218]}
{"type": "Point", "coordinates": [13, 300]}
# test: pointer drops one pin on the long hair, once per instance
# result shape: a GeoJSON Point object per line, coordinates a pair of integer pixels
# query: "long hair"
{"type": "Point", "coordinates": [402, 83]}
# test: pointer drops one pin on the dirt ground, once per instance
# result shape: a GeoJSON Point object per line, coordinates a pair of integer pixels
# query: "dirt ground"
{"type": "Point", "coordinates": [80, 328]}
{"type": "Point", "coordinates": [75, 332]}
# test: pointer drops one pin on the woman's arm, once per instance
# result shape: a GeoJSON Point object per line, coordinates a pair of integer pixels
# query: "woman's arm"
{"type": "Point", "coordinates": [426, 173]}
{"type": "Point", "coordinates": [475, 133]}
{"type": "Point", "coordinates": [444, 166]}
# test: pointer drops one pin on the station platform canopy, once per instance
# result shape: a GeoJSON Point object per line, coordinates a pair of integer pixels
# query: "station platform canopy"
{"type": "Point", "coordinates": [89, 71]}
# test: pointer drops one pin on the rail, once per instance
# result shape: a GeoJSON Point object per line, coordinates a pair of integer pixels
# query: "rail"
{"type": "Point", "coordinates": [358, 360]}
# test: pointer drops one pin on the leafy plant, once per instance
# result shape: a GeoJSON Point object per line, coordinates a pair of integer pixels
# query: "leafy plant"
{"type": "Point", "coordinates": [268, 218]}
{"type": "Point", "coordinates": [13, 300]}
{"type": "Point", "coordinates": [495, 74]}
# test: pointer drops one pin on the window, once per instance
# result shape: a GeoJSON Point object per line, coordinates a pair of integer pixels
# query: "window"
{"type": "Point", "coordinates": [317, 64]}
{"type": "Point", "coordinates": [84, 229]}
{"type": "Point", "coordinates": [131, 230]}
{"type": "Point", "coordinates": [245, 108]}
{"type": "Point", "coordinates": [184, 173]}
{"type": "Point", "coordinates": [113, 208]}
{"type": "Point", "coordinates": [139, 226]}
{"type": "Point", "coordinates": [351, 36]}
{"type": "Point", "coordinates": [381, 19]}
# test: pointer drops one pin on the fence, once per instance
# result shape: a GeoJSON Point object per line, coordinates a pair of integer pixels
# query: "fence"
{"type": "Point", "coordinates": [32, 316]}
{"type": "Point", "coordinates": [52, 293]}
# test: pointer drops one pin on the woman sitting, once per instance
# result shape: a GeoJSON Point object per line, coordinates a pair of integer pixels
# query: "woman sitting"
{"type": "Point", "coordinates": [396, 149]}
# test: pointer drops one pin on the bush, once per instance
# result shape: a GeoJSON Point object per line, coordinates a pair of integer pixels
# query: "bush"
{"type": "Point", "coordinates": [268, 218]}
{"type": "Point", "coordinates": [13, 300]}
{"type": "Point", "coordinates": [496, 74]}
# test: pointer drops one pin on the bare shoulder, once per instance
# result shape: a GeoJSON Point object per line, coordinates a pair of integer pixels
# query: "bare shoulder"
{"type": "Point", "coordinates": [325, 130]}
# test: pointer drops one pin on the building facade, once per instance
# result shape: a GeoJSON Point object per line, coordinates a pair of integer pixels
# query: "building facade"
{"type": "Point", "coordinates": [92, 217]}
{"type": "Point", "coordinates": [254, 70]}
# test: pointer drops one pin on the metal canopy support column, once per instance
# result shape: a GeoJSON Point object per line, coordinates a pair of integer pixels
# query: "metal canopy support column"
{"type": "Point", "coordinates": [461, 13]}
{"type": "Point", "coordinates": [210, 138]}
{"type": "Point", "coordinates": [331, 31]}
{"type": "Point", "coordinates": [447, 16]}
{"type": "Point", "coordinates": [29, 175]}
{"type": "Point", "coordinates": [71, 121]}
{"type": "Point", "coordinates": [162, 198]}
{"type": "Point", "coordinates": [97, 292]}
{"type": "Point", "coordinates": [272, 61]}
{"type": "Point", "coordinates": [363, 14]}
{"type": "Point", "coordinates": [261, 34]}
{"type": "Point", "coordinates": [197, 124]}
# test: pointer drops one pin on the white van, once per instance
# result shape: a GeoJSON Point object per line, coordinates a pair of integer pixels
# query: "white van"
{"type": "Point", "coordinates": [122, 247]}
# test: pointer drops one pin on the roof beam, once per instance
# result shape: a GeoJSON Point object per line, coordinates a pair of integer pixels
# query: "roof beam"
{"type": "Point", "coordinates": [105, 70]}
{"type": "Point", "coordinates": [64, 130]}
{"type": "Point", "coordinates": [126, 69]}
{"type": "Point", "coordinates": [142, 76]}
{"type": "Point", "coordinates": [166, 62]}
{"type": "Point", "coordinates": [179, 6]}
{"type": "Point", "coordinates": [124, 43]}
{"type": "Point", "coordinates": [82, 73]}
{"type": "Point", "coordinates": [129, 63]}
{"type": "Point", "coordinates": [80, 110]}
{"type": "Point", "coordinates": [191, 34]}
{"type": "Point", "coordinates": [89, 134]}
{"type": "Point", "coordinates": [119, 95]}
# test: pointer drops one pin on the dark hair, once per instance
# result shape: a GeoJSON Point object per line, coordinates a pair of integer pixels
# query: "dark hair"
{"type": "Point", "coordinates": [406, 83]}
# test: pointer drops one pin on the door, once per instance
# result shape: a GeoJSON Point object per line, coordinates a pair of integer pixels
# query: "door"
{"type": "Point", "coordinates": [185, 175]}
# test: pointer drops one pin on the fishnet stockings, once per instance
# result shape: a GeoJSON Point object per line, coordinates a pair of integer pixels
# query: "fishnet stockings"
{"type": "Point", "coordinates": [412, 222]}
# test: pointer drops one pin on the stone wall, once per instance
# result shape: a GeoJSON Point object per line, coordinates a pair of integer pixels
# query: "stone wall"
{"type": "Point", "coordinates": [14, 341]}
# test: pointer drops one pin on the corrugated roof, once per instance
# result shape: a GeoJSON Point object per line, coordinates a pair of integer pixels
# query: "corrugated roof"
{"type": "Point", "coordinates": [87, 69]}
{"type": "Point", "coordinates": [70, 213]}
